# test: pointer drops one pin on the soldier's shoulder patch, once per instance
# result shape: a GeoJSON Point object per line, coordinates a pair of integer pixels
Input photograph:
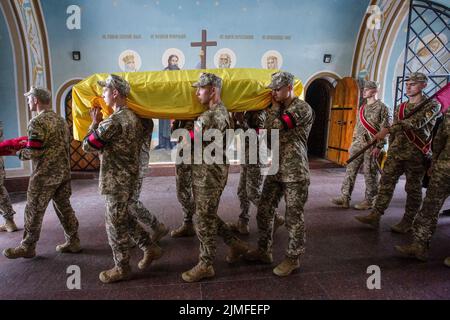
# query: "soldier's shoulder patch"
{"type": "Point", "coordinates": [429, 114]}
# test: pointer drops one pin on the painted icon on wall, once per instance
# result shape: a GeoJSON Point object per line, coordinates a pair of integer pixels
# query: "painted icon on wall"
{"type": "Point", "coordinates": [272, 59]}
{"type": "Point", "coordinates": [225, 58]}
{"type": "Point", "coordinates": [173, 59]}
{"type": "Point", "coordinates": [130, 61]}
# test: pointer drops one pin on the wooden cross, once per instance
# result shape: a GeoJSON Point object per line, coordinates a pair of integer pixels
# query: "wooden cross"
{"type": "Point", "coordinates": [204, 44]}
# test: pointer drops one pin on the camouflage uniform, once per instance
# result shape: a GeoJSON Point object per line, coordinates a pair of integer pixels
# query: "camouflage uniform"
{"type": "Point", "coordinates": [184, 176]}
{"type": "Point", "coordinates": [135, 206]}
{"type": "Point", "coordinates": [49, 149]}
{"type": "Point", "coordinates": [294, 124]}
{"type": "Point", "coordinates": [250, 180]}
{"type": "Point", "coordinates": [377, 114]}
{"type": "Point", "coordinates": [439, 187]}
{"type": "Point", "coordinates": [6, 209]}
{"type": "Point", "coordinates": [208, 182]}
{"type": "Point", "coordinates": [118, 139]}
{"type": "Point", "coordinates": [405, 157]}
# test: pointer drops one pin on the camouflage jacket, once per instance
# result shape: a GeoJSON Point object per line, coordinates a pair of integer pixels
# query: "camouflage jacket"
{"type": "Point", "coordinates": [294, 123]}
{"type": "Point", "coordinates": [119, 140]}
{"type": "Point", "coordinates": [378, 116]}
{"type": "Point", "coordinates": [146, 141]}
{"type": "Point", "coordinates": [252, 120]}
{"type": "Point", "coordinates": [441, 142]}
{"type": "Point", "coordinates": [182, 124]}
{"type": "Point", "coordinates": [49, 149]}
{"type": "Point", "coordinates": [212, 175]}
{"type": "Point", "coordinates": [421, 124]}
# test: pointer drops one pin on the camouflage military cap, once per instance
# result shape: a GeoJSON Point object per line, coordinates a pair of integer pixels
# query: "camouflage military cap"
{"type": "Point", "coordinates": [42, 94]}
{"type": "Point", "coordinates": [280, 79]}
{"type": "Point", "coordinates": [208, 79]}
{"type": "Point", "coordinates": [115, 82]}
{"type": "Point", "coordinates": [371, 85]}
{"type": "Point", "coordinates": [417, 77]}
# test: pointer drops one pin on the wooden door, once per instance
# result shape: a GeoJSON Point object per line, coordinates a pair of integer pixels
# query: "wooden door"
{"type": "Point", "coordinates": [342, 120]}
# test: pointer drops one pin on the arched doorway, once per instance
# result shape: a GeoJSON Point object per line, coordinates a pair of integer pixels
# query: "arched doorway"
{"type": "Point", "coordinates": [318, 95]}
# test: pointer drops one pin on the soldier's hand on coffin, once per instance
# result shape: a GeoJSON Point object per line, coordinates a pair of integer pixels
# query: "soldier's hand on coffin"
{"type": "Point", "coordinates": [376, 152]}
{"type": "Point", "coordinates": [96, 115]}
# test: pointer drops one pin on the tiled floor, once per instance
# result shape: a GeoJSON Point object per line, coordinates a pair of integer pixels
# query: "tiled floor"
{"type": "Point", "coordinates": [339, 251]}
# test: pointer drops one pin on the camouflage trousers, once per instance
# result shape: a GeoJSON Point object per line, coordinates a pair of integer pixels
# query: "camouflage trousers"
{"type": "Point", "coordinates": [295, 195]}
{"type": "Point", "coordinates": [208, 223]}
{"type": "Point", "coordinates": [37, 202]}
{"type": "Point", "coordinates": [414, 170]}
{"type": "Point", "coordinates": [249, 190]}
{"type": "Point", "coordinates": [437, 192]}
{"type": "Point", "coordinates": [137, 209]}
{"type": "Point", "coordinates": [6, 209]}
{"type": "Point", "coordinates": [184, 190]}
{"type": "Point", "coordinates": [370, 173]}
{"type": "Point", "coordinates": [120, 225]}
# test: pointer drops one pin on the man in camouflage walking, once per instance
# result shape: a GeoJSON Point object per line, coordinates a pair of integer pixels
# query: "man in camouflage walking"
{"type": "Point", "coordinates": [135, 206]}
{"type": "Point", "coordinates": [372, 116]}
{"type": "Point", "coordinates": [183, 178]}
{"type": "Point", "coordinates": [48, 147]}
{"type": "Point", "coordinates": [251, 178]}
{"type": "Point", "coordinates": [293, 118]}
{"type": "Point", "coordinates": [6, 209]}
{"type": "Point", "coordinates": [438, 190]}
{"type": "Point", "coordinates": [209, 180]}
{"type": "Point", "coordinates": [118, 140]}
{"type": "Point", "coordinates": [409, 147]}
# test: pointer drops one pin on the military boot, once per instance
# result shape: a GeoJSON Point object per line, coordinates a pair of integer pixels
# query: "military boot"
{"type": "Point", "coordinates": [342, 201]}
{"type": "Point", "coordinates": [415, 250]}
{"type": "Point", "coordinates": [278, 221]}
{"type": "Point", "coordinates": [403, 226]}
{"type": "Point", "coordinates": [199, 272]}
{"type": "Point", "coordinates": [71, 246]}
{"type": "Point", "coordinates": [153, 252]}
{"type": "Point", "coordinates": [185, 230]}
{"type": "Point", "coordinates": [237, 249]}
{"type": "Point", "coordinates": [19, 252]}
{"type": "Point", "coordinates": [115, 274]}
{"type": "Point", "coordinates": [286, 267]}
{"type": "Point", "coordinates": [241, 227]}
{"type": "Point", "coordinates": [372, 219]}
{"type": "Point", "coordinates": [8, 226]}
{"type": "Point", "coordinates": [259, 255]}
{"type": "Point", "coordinates": [364, 205]}
{"type": "Point", "coordinates": [159, 232]}
{"type": "Point", "coordinates": [447, 261]}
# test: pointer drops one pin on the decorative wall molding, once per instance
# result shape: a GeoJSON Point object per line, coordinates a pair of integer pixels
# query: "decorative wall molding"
{"type": "Point", "coordinates": [374, 46]}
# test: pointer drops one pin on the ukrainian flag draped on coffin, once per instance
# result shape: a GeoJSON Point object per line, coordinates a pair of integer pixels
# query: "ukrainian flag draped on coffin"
{"type": "Point", "coordinates": [170, 95]}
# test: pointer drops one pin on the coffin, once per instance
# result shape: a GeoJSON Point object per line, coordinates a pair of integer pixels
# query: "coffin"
{"type": "Point", "coordinates": [170, 95]}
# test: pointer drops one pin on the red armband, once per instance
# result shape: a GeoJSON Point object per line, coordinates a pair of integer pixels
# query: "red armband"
{"type": "Point", "coordinates": [288, 121]}
{"type": "Point", "coordinates": [95, 141]}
